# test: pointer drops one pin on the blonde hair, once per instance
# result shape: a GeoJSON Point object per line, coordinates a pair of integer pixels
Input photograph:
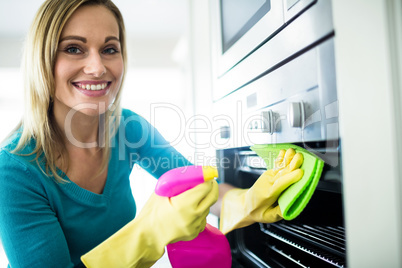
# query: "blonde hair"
{"type": "Point", "coordinates": [38, 64]}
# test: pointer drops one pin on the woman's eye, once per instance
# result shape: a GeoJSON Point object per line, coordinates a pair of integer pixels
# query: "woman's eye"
{"type": "Point", "coordinates": [73, 50]}
{"type": "Point", "coordinates": [110, 50]}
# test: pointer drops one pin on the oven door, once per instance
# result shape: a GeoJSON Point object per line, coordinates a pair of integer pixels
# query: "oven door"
{"type": "Point", "coordinates": [316, 238]}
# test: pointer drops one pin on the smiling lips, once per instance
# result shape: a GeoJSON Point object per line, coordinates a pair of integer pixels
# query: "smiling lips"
{"type": "Point", "coordinates": [93, 88]}
{"type": "Point", "coordinates": [92, 85]}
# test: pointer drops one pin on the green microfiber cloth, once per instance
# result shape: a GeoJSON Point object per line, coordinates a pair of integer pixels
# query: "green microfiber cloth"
{"type": "Point", "coordinates": [295, 198]}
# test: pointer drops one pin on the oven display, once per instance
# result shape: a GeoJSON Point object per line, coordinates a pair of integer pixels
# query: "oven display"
{"type": "Point", "coordinates": [238, 16]}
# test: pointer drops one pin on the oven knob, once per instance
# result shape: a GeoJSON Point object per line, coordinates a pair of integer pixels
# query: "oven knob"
{"type": "Point", "coordinates": [296, 114]}
{"type": "Point", "coordinates": [268, 122]}
{"type": "Point", "coordinates": [225, 132]}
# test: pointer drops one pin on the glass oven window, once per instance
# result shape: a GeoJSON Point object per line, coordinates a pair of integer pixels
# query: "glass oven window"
{"type": "Point", "coordinates": [239, 16]}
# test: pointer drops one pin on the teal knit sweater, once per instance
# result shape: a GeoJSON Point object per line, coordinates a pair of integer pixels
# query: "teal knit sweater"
{"type": "Point", "coordinates": [48, 224]}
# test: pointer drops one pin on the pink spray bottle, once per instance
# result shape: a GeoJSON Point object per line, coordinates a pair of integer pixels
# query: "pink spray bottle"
{"type": "Point", "coordinates": [210, 248]}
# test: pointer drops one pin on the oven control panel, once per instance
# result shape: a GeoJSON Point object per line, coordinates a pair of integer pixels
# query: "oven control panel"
{"type": "Point", "coordinates": [295, 103]}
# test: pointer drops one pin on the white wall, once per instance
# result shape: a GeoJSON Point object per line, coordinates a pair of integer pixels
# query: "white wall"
{"type": "Point", "coordinates": [200, 49]}
{"type": "Point", "coordinates": [10, 54]}
{"type": "Point", "coordinates": [369, 89]}
{"type": "Point", "coordinates": [11, 95]}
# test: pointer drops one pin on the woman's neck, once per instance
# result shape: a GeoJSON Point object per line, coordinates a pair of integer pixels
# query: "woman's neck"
{"type": "Point", "coordinates": [79, 130]}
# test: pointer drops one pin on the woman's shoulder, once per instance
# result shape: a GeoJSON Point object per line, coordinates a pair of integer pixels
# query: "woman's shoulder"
{"type": "Point", "coordinates": [132, 120]}
{"type": "Point", "coordinates": [10, 160]}
{"type": "Point", "coordinates": [11, 143]}
{"type": "Point", "coordinates": [11, 156]}
{"type": "Point", "coordinates": [14, 170]}
{"type": "Point", "coordinates": [19, 169]}
{"type": "Point", "coordinates": [127, 114]}
{"type": "Point", "coordinates": [135, 129]}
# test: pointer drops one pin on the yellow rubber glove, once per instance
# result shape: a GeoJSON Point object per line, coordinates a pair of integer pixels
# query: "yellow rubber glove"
{"type": "Point", "coordinates": [162, 221]}
{"type": "Point", "coordinates": [243, 207]}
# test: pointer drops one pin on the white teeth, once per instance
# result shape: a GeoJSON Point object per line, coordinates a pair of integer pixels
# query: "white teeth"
{"type": "Point", "coordinates": [93, 87]}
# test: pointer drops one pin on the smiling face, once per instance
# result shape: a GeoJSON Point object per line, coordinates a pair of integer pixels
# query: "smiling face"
{"type": "Point", "coordinates": [89, 65]}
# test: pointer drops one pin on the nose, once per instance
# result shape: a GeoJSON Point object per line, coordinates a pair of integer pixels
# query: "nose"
{"type": "Point", "coordinates": [94, 65]}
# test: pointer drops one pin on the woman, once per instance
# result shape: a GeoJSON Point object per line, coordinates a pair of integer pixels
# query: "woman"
{"type": "Point", "coordinates": [64, 184]}
{"type": "Point", "coordinates": [64, 172]}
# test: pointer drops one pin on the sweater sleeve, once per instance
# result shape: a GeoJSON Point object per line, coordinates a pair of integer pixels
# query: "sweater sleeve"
{"type": "Point", "coordinates": [147, 147]}
{"type": "Point", "coordinates": [29, 230]}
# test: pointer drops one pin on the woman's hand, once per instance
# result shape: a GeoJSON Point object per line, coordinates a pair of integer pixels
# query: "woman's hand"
{"type": "Point", "coordinates": [161, 221]}
{"type": "Point", "coordinates": [242, 207]}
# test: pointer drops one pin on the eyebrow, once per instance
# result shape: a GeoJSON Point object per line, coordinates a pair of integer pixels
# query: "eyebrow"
{"type": "Point", "coordinates": [84, 40]}
{"type": "Point", "coordinates": [107, 39]}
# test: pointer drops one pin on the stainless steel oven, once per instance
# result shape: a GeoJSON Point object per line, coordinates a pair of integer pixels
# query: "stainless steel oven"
{"type": "Point", "coordinates": [281, 89]}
